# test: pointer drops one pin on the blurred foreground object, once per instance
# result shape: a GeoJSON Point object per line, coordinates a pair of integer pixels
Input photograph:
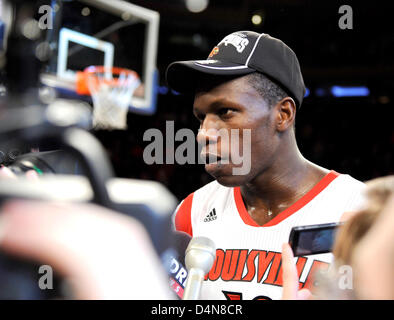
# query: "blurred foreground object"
{"type": "Point", "coordinates": [363, 251]}
{"type": "Point", "coordinates": [31, 116]}
{"type": "Point", "coordinates": [101, 254]}
{"type": "Point", "coordinates": [147, 201]}
{"type": "Point", "coordinates": [364, 247]}
{"type": "Point", "coordinates": [373, 258]}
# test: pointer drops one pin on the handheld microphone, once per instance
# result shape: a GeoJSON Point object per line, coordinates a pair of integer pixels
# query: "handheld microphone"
{"type": "Point", "coordinates": [200, 255]}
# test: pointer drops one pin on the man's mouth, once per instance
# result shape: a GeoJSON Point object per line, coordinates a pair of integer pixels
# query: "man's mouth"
{"type": "Point", "coordinates": [210, 158]}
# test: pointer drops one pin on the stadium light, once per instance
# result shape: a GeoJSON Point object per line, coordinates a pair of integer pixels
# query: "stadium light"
{"type": "Point", "coordinates": [340, 91]}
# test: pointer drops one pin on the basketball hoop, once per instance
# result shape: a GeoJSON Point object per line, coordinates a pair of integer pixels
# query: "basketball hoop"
{"type": "Point", "coordinates": [111, 90]}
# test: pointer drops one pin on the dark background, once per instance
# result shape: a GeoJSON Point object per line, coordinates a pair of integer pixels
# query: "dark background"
{"type": "Point", "coordinates": [350, 135]}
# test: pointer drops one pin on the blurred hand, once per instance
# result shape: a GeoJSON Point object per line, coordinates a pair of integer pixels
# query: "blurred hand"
{"type": "Point", "coordinates": [290, 277]}
{"type": "Point", "coordinates": [373, 258]}
{"type": "Point", "coordinates": [103, 254]}
{"type": "Point", "coordinates": [6, 173]}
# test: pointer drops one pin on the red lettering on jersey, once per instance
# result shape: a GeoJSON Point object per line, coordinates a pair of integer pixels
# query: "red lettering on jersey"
{"type": "Point", "coordinates": [316, 265]}
{"type": "Point", "coordinates": [183, 216]}
{"type": "Point", "coordinates": [262, 298]}
{"type": "Point", "coordinates": [232, 295]}
{"type": "Point", "coordinates": [238, 296]}
{"type": "Point", "coordinates": [251, 265]}
{"type": "Point", "coordinates": [241, 264]}
{"type": "Point", "coordinates": [230, 264]}
{"type": "Point", "coordinates": [301, 262]}
{"type": "Point", "coordinates": [279, 278]}
{"type": "Point", "coordinates": [273, 271]}
{"type": "Point", "coordinates": [216, 269]}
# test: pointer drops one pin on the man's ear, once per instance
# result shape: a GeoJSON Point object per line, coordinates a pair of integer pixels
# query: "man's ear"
{"type": "Point", "coordinates": [286, 112]}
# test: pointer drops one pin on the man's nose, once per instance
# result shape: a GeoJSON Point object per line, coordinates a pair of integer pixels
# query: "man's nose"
{"type": "Point", "coordinates": [208, 132]}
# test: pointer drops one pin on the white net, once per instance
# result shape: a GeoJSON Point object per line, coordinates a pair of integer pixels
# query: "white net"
{"type": "Point", "coordinates": [111, 97]}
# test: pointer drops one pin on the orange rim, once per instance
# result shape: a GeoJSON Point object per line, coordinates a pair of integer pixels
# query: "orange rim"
{"type": "Point", "coordinates": [88, 73]}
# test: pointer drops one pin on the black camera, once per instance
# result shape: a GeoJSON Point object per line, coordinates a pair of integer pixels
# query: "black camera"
{"type": "Point", "coordinates": [79, 171]}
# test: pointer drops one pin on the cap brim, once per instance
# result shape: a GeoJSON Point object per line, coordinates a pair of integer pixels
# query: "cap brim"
{"type": "Point", "coordinates": [186, 76]}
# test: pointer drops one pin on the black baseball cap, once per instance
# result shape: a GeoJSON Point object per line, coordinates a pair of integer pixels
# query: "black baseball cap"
{"type": "Point", "coordinates": [238, 54]}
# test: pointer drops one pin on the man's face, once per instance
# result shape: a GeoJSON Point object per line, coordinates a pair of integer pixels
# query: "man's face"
{"type": "Point", "coordinates": [224, 108]}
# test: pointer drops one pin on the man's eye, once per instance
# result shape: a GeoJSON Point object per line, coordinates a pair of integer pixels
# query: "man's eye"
{"type": "Point", "coordinates": [225, 111]}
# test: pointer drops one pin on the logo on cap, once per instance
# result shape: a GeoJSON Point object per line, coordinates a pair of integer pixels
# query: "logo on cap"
{"type": "Point", "coordinates": [213, 52]}
{"type": "Point", "coordinates": [238, 40]}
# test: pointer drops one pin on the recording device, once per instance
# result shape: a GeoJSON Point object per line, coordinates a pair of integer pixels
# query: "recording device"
{"type": "Point", "coordinates": [313, 239]}
{"type": "Point", "coordinates": [147, 201]}
{"type": "Point", "coordinates": [200, 255]}
{"type": "Point", "coordinates": [48, 162]}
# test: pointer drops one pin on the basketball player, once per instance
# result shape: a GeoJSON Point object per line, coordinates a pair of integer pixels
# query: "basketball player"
{"type": "Point", "coordinates": [253, 81]}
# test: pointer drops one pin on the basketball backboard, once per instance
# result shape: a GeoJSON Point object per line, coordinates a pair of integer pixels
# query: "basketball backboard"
{"type": "Point", "coordinates": [112, 33]}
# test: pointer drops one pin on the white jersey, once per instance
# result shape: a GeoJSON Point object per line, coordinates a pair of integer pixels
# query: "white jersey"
{"type": "Point", "coordinates": [248, 256]}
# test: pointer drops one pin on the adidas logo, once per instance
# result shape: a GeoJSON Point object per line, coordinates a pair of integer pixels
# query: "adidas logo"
{"type": "Point", "coordinates": [211, 216]}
